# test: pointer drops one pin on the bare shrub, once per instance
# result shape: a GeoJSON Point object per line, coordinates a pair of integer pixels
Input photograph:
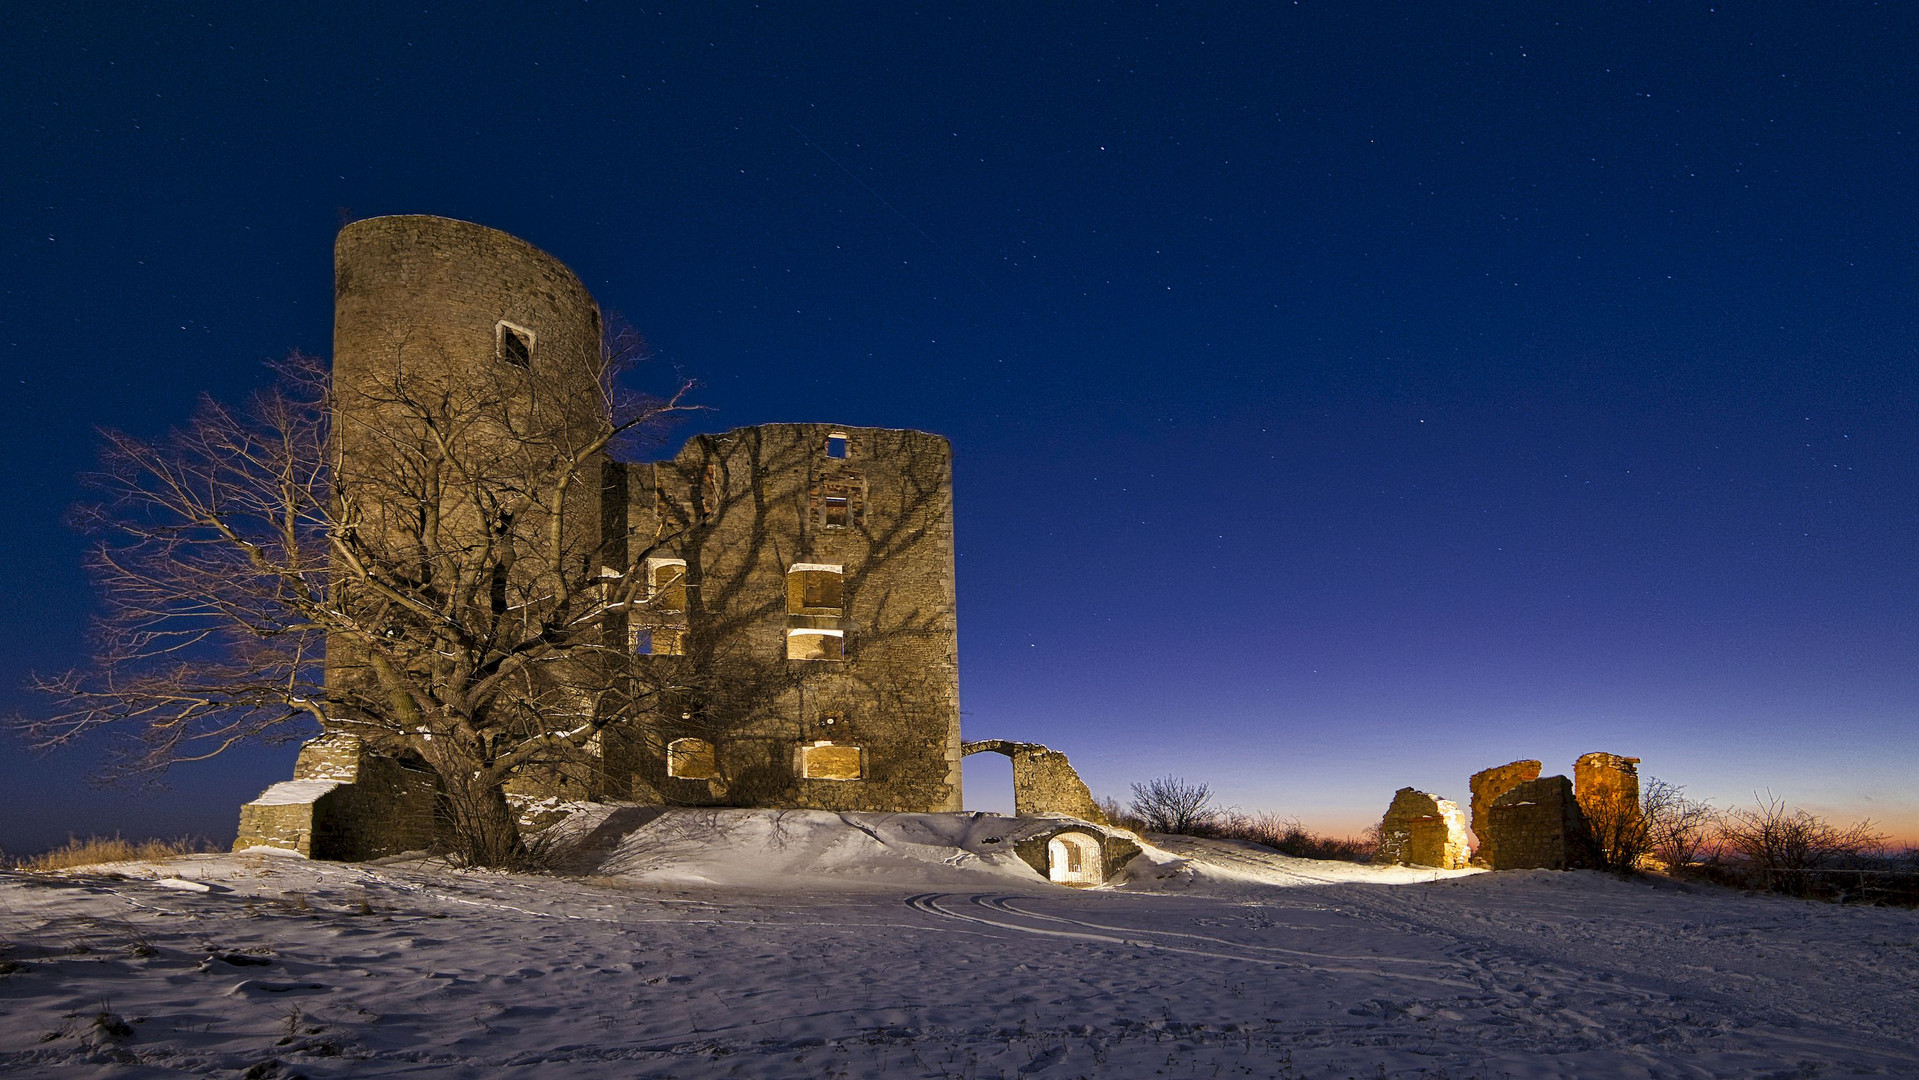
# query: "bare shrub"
{"type": "Point", "coordinates": [1678, 829]}
{"type": "Point", "coordinates": [1783, 847]}
{"type": "Point", "coordinates": [1119, 815]}
{"type": "Point", "coordinates": [1287, 836]}
{"type": "Point", "coordinates": [1618, 833]}
{"type": "Point", "coordinates": [1170, 804]}
{"type": "Point", "coordinates": [95, 850]}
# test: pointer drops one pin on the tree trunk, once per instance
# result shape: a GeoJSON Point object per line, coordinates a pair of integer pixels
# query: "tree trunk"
{"type": "Point", "coordinates": [485, 831]}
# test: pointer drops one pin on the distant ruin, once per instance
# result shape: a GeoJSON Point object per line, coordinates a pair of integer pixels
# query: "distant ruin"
{"type": "Point", "coordinates": [1423, 830]}
{"type": "Point", "coordinates": [1521, 820]}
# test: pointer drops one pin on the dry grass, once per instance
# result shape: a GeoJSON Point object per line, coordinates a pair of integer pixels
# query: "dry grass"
{"type": "Point", "coordinates": [104, 849]}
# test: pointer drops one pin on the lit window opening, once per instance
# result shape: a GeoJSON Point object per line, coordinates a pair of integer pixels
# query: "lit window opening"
{"type": "Point", "coordinates": [692, 759]}
{"type": "Point", "coordinates": [812, 644]}
{"type": "Point", "coordinates": [830, 761]}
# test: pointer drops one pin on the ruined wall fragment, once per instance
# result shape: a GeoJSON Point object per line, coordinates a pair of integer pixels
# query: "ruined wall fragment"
{"type": "Point", "coordinates": [1487, 786]}
{"type": "Point", "coordinates": [1044, 781]}
{"type": "Point", "coordinates": [344, 802]}
{"type": "Point", "coordinates": [1538, 825]}
{"type": "Point", "coordinates": [1607, 786]}
{"type": "Point", "coordinates": [1423, 830]}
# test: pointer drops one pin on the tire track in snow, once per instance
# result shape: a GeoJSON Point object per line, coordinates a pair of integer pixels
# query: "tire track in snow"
{"type": "Point", "coordinates": [930, 903]}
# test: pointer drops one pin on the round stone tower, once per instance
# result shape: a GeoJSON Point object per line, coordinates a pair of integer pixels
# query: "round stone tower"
{"type": "Point", "coordinates": [443, 299]}
{"type": "Point", "coordinates": [448, 334]}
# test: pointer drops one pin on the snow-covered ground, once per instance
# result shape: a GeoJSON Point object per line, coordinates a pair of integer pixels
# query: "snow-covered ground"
{"type": "Point", "coordinates": [754, 944]}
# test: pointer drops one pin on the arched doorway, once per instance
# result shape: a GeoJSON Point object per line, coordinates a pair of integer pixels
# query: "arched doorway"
{"type": "Point", "coordinates": [1073, 858]}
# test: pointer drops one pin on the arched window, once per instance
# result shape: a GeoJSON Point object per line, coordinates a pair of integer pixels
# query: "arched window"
{"type": "Point", "coordinates": [692, 759]}
{"type": "Point", "coordinates": [666, 584]}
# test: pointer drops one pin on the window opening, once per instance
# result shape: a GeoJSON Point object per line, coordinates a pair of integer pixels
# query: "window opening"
{"type": "Point", "coordinates": [815, 589]}
{"type": "Point", "coordinates": [809, 644]}
{"type": "Point", "coordinates": [836, 506]}
{"type": "Point", "coordinates": [836, 445]}
{"type": "Point", "coordinates": [692, 759]}
{"type": "Point", "coordinates": [666, 581]}
{"type": "Point", "coordinates": [830, 761]}
{"type": "Point", "coordinates": [513, 344]}
{"type": "Point", "coordinates": [657, 640]}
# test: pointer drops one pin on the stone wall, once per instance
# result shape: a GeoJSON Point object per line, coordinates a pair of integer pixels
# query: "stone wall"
{"type": "Point", "coordinates": [1044, 781]}
{"type": "Point", "coordinates": [343, 803]}
{"type": "Point", "coordinates": [422, 305]}
{"type": "Point", "coordinates": [1487, 786]}
{"type": "Point", "coordinates": [1538, 825]}
{"type": "Point", "coordinates": [839, 538]}
{"type": "Point", "coordinates": [1607, 786]}
{"type": "Point", "coordinates": [1423, 830]}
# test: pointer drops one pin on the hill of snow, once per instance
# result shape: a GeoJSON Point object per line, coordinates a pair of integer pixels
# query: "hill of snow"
{"type": "Point", "coordinates": [696, 944]}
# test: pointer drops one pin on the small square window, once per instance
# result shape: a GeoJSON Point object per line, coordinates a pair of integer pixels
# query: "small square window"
{"type": "Point", "coordinates": [836, 446]}
{"type": "Point", "coordinates": [836, 511]}
{"type": "Point", "coordinates": [643, 641]}
{"type": "Point", "coordinates": [513, 344]}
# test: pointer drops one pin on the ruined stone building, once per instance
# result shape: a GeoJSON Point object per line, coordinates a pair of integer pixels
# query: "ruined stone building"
{"type": "Point", "coordinates": [797, 637]}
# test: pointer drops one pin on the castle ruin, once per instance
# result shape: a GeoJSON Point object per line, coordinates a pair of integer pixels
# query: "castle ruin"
{"type": "Point", "coordinates": [796, 637]}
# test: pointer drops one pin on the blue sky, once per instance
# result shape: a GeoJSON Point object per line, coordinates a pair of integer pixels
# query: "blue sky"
{"type": "Point", "coordinates": [1342, 396]}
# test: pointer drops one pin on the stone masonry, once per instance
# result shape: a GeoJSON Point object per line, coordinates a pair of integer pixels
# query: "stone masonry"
{"type": "Point", "coordinates": [1538, 825]}
{"type": "Point", "coordinates": [808, 621]}
{"type": "Point", "coordinates": [1607, 786]}
{"type": "Point", "coordinates": [1044, 782]}
{"type": "Point", "coordinates": [1423, 830]}
{"type": "Point", "coordinates": [1487, 786]}
{"type": "Point", "coordinates": [343, 803]}
{"type": "Point", "coordinates": [799, 633]}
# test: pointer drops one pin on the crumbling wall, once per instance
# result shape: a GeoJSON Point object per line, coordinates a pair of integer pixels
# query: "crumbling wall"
{"type": "Point", "coordinates": [1607, 786]}
{"type": "Point", "coordinates": [1487, 786]}
{"type": "Point", "coordinates": [1423, 830]}
{"type": "Point", "coordinates": [1538, 825]}
{"type": "Point", "coordinates": [1044, 782]}
{"type": "Point", "coordinates": [343, 802]}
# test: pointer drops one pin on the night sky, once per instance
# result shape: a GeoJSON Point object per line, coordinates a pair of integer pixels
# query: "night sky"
{"type": "Point", "coordinates": [1342, 396]}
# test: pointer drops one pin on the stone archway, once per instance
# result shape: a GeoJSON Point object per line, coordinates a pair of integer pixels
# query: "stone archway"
{"type": "Point", "coordinates": [1075, 858]}
{"type": "Point", "coordinates": [1044, 782]}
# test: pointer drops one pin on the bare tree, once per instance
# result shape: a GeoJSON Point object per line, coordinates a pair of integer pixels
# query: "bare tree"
{"type": "Point", "coordinates": [1169, 804]}
{"type": "Point", "coordinates": [1781, 844]}
{"type": "Point", "coordinates": [440, 591]}
{"type": "Point", "coordinates": [1678, 829]}
{"type": "Point", "coordinates": [1618, 832]}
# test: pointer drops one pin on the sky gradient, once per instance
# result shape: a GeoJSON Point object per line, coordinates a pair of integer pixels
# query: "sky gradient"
{"type": "Point", "coordinates": [1343, 397]}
